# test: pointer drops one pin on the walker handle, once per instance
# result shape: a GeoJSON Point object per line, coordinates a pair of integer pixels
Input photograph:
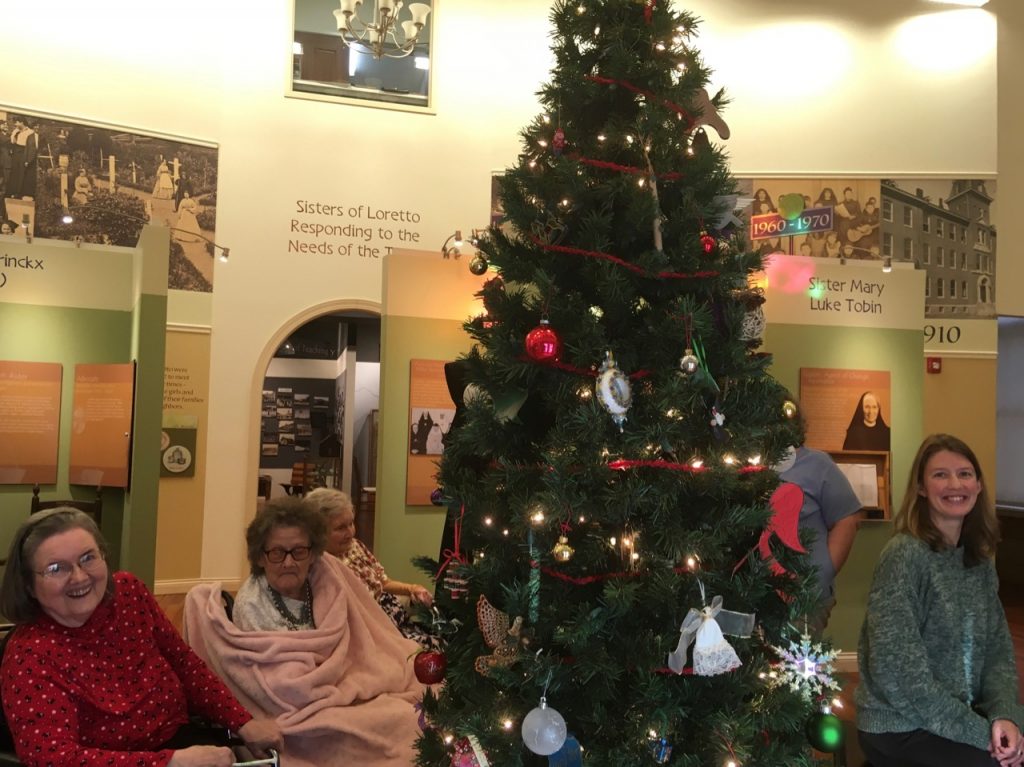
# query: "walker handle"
{"type": "Point", "coordinates": [273, 761]}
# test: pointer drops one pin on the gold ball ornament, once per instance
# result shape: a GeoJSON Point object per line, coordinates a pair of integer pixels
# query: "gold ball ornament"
{"type": "Point", "coordinates": [562, 551]}
{"type": "Point", "coordinates": [478, 265]}
{"type": "Point", "coordinates": [789, 409]}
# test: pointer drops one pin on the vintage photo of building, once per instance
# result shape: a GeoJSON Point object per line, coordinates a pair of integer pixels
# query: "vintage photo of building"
{"type": "Point", "coordinates": [945, 228]}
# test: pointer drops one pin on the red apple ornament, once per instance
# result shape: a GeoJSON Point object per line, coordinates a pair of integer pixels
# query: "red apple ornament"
{"type": "Point", "coordinates": [430, 666]}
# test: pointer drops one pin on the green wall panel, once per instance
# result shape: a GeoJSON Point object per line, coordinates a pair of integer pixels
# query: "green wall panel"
{"type": "Point", "coordinates": [401, 531]}
{"type": "Point", "coordinates": [149, 342]}
{"type": "Point", "coordinates": [69, 336]}
{"type": "Point", "coordinates": [900, 352]}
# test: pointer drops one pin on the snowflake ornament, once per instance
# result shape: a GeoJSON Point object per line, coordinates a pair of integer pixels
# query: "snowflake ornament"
{"type": "Point", "coordinates": [806, 668]}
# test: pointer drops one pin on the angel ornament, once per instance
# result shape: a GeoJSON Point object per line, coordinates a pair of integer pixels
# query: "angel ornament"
{"type": "Point", "coordinates": [712, 653]}
{"type": "Point", "coordinates": [503, 635]}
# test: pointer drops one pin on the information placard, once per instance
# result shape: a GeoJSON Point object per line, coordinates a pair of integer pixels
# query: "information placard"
{"type": "Point", "coordinates": [101, 425]}
{"type": "Point", "coordinates": [29, 422]}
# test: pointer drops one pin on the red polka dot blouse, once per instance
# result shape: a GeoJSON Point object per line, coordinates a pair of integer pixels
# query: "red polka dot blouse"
{"type": "Point", "coordinates": [108, 692]}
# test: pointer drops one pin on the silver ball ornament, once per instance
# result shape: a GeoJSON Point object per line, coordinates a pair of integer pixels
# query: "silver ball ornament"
{"type": "Point", "coordinates": [688, 363]}
{"type": "Point", "coordinates": [544, 730]}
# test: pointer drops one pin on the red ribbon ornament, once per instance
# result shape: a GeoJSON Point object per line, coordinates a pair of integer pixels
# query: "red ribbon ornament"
{"type": "Point", "coordinates": [648, 11]}
{"type": "Point", "coordinates": [455, 555]}
{"type": "Point", "coordinates": [786, 502]}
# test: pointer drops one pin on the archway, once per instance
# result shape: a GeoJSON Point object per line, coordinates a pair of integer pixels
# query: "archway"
{"type": "Point", "coordinates": [317, 436]}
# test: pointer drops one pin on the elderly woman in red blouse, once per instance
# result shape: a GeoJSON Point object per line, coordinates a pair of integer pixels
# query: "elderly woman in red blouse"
{"type": "Point", "coordinates": [94, 673]}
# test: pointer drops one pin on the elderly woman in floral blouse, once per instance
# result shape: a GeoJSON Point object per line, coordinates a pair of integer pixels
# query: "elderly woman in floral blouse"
{"type": "Point", "coordinates": [337, 509]}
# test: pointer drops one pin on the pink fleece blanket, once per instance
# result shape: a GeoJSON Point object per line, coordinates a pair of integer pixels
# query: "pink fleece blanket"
{"type": "Point", "coordinates": [343, 693]}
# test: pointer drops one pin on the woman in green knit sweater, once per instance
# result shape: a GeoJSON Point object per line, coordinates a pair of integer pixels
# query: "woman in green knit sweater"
{"type": "Point", "coordinates": [938, 683]}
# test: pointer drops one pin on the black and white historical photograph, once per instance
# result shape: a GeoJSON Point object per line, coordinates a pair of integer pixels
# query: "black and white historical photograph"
{"type": "Point", "coordinates": [62, 179]}
{"type": "Point", "coordinates": [945, 227]}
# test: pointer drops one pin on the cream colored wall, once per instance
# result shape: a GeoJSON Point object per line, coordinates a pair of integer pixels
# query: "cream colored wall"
{"type": "Point", "coordinates": [1011, 153]}
{"type": "Point", "coordinates": [178, 551]}
{"type": "Point", "coordinates": [961, 400]}
{"type": "Point", "coordinates": [819, 88]}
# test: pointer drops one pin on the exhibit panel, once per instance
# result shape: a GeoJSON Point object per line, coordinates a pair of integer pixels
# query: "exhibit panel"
{"type": "Point", "coordinates": [95, 306]}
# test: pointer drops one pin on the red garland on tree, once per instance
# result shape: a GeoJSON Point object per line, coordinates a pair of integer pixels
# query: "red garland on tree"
{"type": "Point", "coordinates": [543, 343]}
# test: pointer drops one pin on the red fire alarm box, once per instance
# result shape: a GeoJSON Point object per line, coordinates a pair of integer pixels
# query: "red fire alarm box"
{"type": "Point", "coordinates": [933, 364]}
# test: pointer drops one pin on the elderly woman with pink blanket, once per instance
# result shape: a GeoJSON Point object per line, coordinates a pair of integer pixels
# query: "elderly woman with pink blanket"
{"type": "Point", "coordinates": [309, 646]}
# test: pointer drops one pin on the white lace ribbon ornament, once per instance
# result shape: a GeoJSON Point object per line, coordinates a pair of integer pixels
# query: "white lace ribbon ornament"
{"type": "Point", "coordinates": [712, 654]}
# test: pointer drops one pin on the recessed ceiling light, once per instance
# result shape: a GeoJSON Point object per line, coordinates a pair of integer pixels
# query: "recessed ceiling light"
{"type": "Point", "coordinates": [975, 3]}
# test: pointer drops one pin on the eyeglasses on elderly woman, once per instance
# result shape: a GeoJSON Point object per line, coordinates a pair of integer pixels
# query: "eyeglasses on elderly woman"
{"type": "Point", "coordinates": [277, 554]}
{"type": "Point", "coordinates": [61, 571]}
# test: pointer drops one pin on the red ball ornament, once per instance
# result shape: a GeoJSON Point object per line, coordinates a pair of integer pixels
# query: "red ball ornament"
{"type": "Point", "coordinates": [707, 241]}
{"type": "Point", "coordinates": [430, 666]}
{"type": "Point", "coordinates": [543, 343]}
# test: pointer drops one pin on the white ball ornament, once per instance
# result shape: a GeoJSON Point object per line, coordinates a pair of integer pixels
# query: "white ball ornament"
{"type": "Point", "coordinates": [613, 390]}
{"type": "Point", "coordinates": [472, 393]}
{"type": "Point", "coordinates": [544, 730]}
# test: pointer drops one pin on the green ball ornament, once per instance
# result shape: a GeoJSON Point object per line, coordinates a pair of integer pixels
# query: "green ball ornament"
{"type": "Point", "coordinates": [825, 733]}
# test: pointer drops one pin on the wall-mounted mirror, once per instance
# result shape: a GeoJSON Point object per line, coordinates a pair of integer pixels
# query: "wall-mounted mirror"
{"type": "Point", "coordinates": [375, 52]}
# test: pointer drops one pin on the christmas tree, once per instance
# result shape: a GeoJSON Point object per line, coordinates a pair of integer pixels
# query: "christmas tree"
{"type": "Point", "coordinates": [607, 475]}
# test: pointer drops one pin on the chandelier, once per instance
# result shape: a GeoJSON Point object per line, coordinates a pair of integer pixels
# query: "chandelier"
{"type": "Point", "coordinates": [380, 36]}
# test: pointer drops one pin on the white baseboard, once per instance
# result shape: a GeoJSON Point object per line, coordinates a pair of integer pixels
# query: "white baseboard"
{"type": "Point", "coordinates": [846, 663]}
{"type": "Point", "coordinates": [184, 585]}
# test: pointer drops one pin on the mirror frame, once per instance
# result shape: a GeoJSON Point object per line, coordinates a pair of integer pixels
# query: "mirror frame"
{"type": "Point", "coordinates": [374, 103]}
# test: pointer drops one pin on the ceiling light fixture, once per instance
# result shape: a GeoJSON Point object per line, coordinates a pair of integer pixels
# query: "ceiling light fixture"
{"type": "Point", "coordinates": [379, 36]}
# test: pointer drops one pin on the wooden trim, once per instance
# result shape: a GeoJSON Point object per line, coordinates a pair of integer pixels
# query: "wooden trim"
{"type": "Point", "coordinates": [184, 585]}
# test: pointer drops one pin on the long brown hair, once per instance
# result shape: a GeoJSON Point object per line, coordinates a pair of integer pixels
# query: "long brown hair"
{"type": "Point", "coordinates": [980, 533]}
